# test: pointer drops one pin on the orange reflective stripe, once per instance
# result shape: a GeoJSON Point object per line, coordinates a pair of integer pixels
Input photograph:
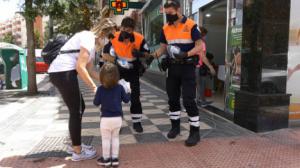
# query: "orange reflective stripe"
{"type": "Point", "coordinates": [181, 34]}
{"type": "Point", "coordinates": [124, 50]}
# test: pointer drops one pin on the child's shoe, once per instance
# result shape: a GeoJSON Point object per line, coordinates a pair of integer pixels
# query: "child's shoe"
{"type": "Point", "coordinates": [115, 162]}
{"type": "Point", "coordinates": [104, 162]}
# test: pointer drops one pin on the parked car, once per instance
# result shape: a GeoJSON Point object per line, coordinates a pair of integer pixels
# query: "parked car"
{"type": "Point", "coordinates": [41, 66]}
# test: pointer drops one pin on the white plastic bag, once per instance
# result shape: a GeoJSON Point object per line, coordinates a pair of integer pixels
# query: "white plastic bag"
{"type": "Point", "coordinates": [126, 85]}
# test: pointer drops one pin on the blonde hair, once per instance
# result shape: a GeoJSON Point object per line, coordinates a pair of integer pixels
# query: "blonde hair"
{"type": "Point", "coordinates": [109, 75]}
{"type": "Point", "coordinates": [105, 26]}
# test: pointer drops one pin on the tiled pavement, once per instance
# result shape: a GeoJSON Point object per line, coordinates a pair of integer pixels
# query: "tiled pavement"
{"type": "Point", "coordinates": [224, 145]}
{"type": "Point", "coordinates": [279, 149]}
{"type": "Point", "coordinates": [155, 122]}
{"type": "Point", "coordinates": [24, 119]}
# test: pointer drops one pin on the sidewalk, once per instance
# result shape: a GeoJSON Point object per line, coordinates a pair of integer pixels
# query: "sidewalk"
{"type": "Point", "coordinates": [279, 149]}
{"type": "Point", "coordinates": [40, 138]}
{"type": "Point", "coordinates": [24, 118]}
{"type": "Point", "coordinates": [155, 122]}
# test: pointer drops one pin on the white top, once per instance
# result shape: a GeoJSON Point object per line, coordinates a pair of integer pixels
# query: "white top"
{"type": "Point", "coordinates": [67, 62]}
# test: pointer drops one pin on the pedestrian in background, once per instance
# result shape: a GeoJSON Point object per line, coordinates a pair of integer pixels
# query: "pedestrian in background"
{"type": "Point", "coordinates": [204, 68]}
{"type": "Point", "coordinates": [110, 96]}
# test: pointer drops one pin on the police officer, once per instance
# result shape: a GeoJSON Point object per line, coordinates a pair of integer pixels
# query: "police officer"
{"type": "Point", "coordinates": [126, 49]}
{"type": "Point", "coordinates": [181, 40]}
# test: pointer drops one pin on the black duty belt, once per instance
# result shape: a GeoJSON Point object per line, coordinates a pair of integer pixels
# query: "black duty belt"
{"type": "Point", "coordinates": [190, 60]}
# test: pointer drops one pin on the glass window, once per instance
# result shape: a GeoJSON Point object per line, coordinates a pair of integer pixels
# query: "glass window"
{"type": "Point", "coordinates": [153, 26]}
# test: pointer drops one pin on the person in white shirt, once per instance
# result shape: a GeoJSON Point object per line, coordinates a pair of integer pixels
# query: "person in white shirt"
{"type": "Point", "coordinates": [63, 74]}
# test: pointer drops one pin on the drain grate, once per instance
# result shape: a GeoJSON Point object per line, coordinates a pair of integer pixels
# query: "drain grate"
{"type": "Point", "coordinates": [54, 147]}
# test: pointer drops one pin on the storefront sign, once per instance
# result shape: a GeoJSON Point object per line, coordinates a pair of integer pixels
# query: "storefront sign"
{"type": "Point", "coordinates": [233, 57]}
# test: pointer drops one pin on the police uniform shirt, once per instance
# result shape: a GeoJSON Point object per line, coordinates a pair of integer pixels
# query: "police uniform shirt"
{"type": "Point", "coordinates": [195, 34]}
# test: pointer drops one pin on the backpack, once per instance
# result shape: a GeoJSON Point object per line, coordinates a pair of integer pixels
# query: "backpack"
{"type": "Point", "coordinates": [52, 49]}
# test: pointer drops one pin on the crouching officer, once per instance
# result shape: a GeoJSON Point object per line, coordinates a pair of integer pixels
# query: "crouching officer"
{"type": "Point", "coordinates": [127, 48]}
{"type": "Point", "coordinates": [181, 40]}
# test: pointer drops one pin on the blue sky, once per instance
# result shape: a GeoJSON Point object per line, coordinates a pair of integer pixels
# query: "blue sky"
{"type": "Point", "coordinates": [8, 8]}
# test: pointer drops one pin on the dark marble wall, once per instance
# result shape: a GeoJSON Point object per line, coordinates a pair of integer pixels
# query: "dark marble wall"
{"type": "Point", "coordinates": [265, 46]}
{"type": "Point", "coordinates": [262, 104]}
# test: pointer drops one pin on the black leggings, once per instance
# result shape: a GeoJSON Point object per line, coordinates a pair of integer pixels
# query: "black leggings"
{"type": "Point", "coordinates": [67, 84]}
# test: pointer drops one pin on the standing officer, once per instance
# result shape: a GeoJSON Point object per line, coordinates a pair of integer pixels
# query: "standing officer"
{"type": "Point", "coordinates": [126, 48]}
{"type": "Point", "coordinates": [181, 39]}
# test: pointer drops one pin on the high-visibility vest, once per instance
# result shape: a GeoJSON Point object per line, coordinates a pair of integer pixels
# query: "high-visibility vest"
{"type": "Point", "coordinates": [179, 34]}
{"type": "Point", "coordinates": [124, 50]}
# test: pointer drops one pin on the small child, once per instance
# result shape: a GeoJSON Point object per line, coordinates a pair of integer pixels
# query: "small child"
{"type": "Point", "coordinates": [110, 96]}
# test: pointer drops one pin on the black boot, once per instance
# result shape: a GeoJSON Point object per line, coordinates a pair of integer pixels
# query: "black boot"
{"type": "Point", "coordinates": [138, 127]}
{"type": "Point", "coordinates": [175, 130]}
{"type": "Point", "coordinates": [194, 136]}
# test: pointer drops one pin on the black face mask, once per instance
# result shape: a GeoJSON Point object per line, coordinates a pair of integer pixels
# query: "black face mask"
{"type": "Point", "coordinates": [172, 18]}
{"type": "Point", "coordinates": [110, 36]}
{"type": "Point", "coordinates": [125, 35]}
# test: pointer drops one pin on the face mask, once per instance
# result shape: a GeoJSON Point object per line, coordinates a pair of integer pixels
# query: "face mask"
{"type": "Point", "coordinates": [110, 36]}
{"type": "Point", "coordinates": [172, 18]}
{"type": "Point", "coordinates": [125, 35]}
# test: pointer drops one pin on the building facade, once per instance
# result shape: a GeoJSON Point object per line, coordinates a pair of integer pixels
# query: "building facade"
{"type": "Point", "coordinates": [256, 49]}
{"type": "Point", "coordinates": [17, 27]}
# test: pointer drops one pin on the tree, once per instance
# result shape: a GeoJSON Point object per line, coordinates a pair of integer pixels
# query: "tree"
{"type": "Point", "coordinates": [69, 16]}
{"type": "Point", "coordinates": [9, 38]}
{"type": "Point", "coordinates": [81, 15]}
{"type": "Point", "coordinates": [30, 14]}
{"type": "Point", "coordinates": [33, 8]}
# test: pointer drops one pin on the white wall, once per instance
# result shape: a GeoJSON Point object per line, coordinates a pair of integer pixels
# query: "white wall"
{"type": "Point", "coordinates": [198, 4]}
{"type": "Point", "coordinates": [294, 57]}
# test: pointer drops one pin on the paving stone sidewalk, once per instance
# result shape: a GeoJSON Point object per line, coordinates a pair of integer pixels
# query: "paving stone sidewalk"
{"type": "Point", "coordinates": [37, 136]}
{"type": "Point", "coordinates": [279, 149]}
{"type": "Point", "coordinates": [155, 122]}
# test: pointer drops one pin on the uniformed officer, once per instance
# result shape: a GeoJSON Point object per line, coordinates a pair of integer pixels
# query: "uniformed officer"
{"type": "Point", "coordinates": [181, 40]}
{"type": "Point", "coordinates": [126, 49]}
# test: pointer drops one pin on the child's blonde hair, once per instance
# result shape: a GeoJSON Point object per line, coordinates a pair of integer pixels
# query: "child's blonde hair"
{"type": "Point", "coordinates": [109, 75]}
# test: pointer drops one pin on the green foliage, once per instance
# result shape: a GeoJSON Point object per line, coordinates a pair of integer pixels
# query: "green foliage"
{"type": "Point", "coordinates": [78, 15]}
{"type": "Point", "coordinates": [8, 38]}
{"type": "Point", "coordinates": [37, 38]}
{"type": "Point", "coordinates": [68, 16]}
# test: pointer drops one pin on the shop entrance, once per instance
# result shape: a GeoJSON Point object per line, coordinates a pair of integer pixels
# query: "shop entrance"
{"type": "Point", "coordinates": [214, 20]}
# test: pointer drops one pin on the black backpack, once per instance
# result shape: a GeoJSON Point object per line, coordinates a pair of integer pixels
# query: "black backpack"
{"type": "Point", "coordinates": [52, 49]}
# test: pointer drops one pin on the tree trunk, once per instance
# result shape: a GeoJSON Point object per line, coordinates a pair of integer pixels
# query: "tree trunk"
{"type": "Point", "coordinates": [32, 87]}
{"type": "Point", "coordinates": [50, 25]}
